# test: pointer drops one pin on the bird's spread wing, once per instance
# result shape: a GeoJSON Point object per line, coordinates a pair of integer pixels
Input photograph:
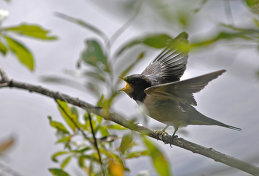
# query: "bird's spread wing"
{"type": "Point", "coordinates": [169, 65]}
{"type": "Point", "coordinates": [182, 91]}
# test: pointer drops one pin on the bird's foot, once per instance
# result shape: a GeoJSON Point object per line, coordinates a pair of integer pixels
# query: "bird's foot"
{"type": "Point", "coordinates": [161, 134]}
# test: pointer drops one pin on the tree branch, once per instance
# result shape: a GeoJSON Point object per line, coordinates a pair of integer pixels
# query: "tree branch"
{"type": "Point", "coordinates": [115, 117]}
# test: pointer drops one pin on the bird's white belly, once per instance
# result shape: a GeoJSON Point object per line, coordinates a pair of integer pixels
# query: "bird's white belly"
{"type": "Point", "coordinates": [164, 111]}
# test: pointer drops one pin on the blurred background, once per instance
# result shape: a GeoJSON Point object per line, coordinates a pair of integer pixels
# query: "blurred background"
{"type": "Point", "coordinates": [233, 98]}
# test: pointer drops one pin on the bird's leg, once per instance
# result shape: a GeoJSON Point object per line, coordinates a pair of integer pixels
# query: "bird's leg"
{"type": "Point", "coordinates": [172, 138]}
{"type": "Point", "coordinates": [162, 133]}
{"type": "Point", "coordinates": [165, 128]}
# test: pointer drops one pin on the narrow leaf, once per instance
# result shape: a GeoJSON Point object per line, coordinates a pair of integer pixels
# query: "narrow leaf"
{"type": "Point", "coordinates": [94, 55]}
{"type": "Point", "coordinates": [83, 24]}
{"type": "Point", "coordinates": [64, 139]}
{"type": "Point", "coordinates": [67, 115]}
{"type": "Point", "coordinates": [59, 153]}
{"type": "Point", "coordinates": [116, 127]}
{"type": "Point", "coordinates": [104, 131]}
{"type": "Point", "coordinates": [22, 53]}
{"type": "Point", "coordinates": [256, 21]}
{"type": "Point", "coordinates": [65, 162]}
{"type": "Point", "coordinates": [3, 49]}
{"type": "Point", "coordinates": [57, 125]}
{"type": "Point", "coordinates": [159, 160]}
{"type": "Point", "coordinates": [253, 5]}
{"type": "Point", "coordinates": [31, 30]}
{"type": "Point", "coordinates": [58, 172]}
{"type": "Point", "coordinates": [126, 143]}
{"type": "Point", "coordinates": [154, 41]}
{"type": "Point", "coordinates": [137, 154]}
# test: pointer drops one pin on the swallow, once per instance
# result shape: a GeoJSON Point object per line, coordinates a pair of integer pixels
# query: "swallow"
{"type": "Point", "coordinates": [167, 98]}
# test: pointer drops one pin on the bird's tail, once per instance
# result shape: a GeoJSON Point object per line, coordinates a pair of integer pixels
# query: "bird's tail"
{"type": "Point", "coordinates": [204, 120]}
{"type": "Point", "coordinates": [227, 126]}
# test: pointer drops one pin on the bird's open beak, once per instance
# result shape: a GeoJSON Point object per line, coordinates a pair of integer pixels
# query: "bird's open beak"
{"type": "Point", "coordinates": [127, 89]}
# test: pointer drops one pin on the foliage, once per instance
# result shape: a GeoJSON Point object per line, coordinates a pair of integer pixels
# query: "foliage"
{"type": "Point", "coordinates": [8, 43]}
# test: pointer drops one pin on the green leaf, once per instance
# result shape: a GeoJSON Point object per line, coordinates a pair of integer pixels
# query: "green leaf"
{"type": "Point", "coordinates": [67, 114]}
{"type": "Point", "coordinates": [83, 24]}
{"type": "Point", "coordinates": [22, 53]}
{"type": "Point", "coordinates": [126, 143]}
{"type": "Point", "coordinates": [81, 161]}
{"type": "Point", "coordinates": [253, 5]}
{"type": "Point", "coordinates": [104, 131]}
{"type": "Point", "coordinates": [116, 127]}
{"type": "Point", "coordinates": [160, 41]}
{"type": "Point", "coordinates": [91, 158]}
{"type": "Point", "coordinates": [154, 41]}
{"type": "Point", "coordinates": [239, 33]}
{"type": "Point", "coordinates": [82, 150]}
{"type": "Point", "coordinates": [93, 55]}
{"type": "Point", "coordinates": [58, 172]}
{"type": "Point", "coordinates": [3, 49]}
{"type": "Point", "coordinates": [256, 21]}
{"type": "Point", "coordinates": [64, 139]}
{"type": "Point", "coordinates": [74, 111]}
{"type": "Point", "coordinates": [31, 30]}
{"type": "Point", "coordinates": [137, 154]}
{"type": "Point", "coordinates": [159, 160]}
{"type": "Point", "coordinates": [100, 103]}
{"type": "Point", "coordinates": [59, 153]}
{"type": "Point", "coordinates": [59, 126]}
{"type": "Point", "coordinates": [65, 162]}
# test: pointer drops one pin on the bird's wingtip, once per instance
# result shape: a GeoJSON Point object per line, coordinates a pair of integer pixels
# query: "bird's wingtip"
{"type": "Point", "coordinates": [235, 128]}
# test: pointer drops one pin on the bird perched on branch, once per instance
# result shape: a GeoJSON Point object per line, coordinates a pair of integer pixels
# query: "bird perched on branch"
{"type": "Point", "coordinates": [166, 98]}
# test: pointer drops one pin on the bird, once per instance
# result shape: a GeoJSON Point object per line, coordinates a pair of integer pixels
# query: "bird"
{"type": "Point", "coordinates": [166, 98]}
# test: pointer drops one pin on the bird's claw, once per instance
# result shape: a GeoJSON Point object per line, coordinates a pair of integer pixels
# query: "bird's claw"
{"type": "Point", "coordinates": [161, 134]}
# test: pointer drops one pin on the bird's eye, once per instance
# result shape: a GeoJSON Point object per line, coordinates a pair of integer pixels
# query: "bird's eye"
{"type": "Point", "coordinates": [133, 82]}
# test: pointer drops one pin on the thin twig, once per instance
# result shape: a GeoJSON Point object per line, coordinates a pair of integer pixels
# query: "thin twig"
{"type": "Point", "coordinates": [116, 35]}
{"type": "Point", "coordinates": [95, 143]}
{"type": "Point", "coordinates": [180, 142]}
{"type": "Point", "coordinates": [72, 120]}
{"type": "Point", "coordinates": [84, 24]}
{"type": "Point", "coordinates": [229, 11]}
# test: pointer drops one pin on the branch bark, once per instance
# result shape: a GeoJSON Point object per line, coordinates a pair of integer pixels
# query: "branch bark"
{"type": "Point", "coordinates": [115, 117]}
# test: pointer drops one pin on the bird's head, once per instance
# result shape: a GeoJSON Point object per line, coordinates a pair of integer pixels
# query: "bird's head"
{"type": "Point", "coordinates": [135, 86]}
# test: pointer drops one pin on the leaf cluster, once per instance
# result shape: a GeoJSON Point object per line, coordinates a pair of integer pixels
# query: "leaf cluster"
{"type": "Point", "coordinates": [97, 65]}
{"type": "Point", "coordinates": [9, 44]}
